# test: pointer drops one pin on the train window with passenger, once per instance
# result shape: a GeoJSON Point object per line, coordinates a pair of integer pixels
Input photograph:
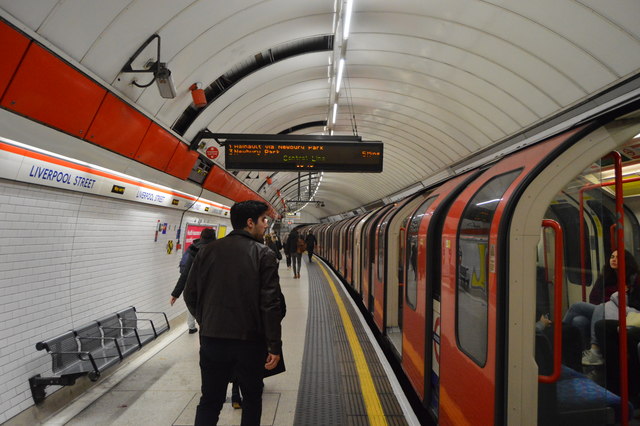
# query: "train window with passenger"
{"type": "Point", "coordinates": [472, 274]}
{"type": "Point", "coordinates": [411, 283]}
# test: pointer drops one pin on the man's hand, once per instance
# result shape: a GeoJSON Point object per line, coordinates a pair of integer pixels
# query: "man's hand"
{"type": "Point", "coordinates": [172, 300]}
{"type": "Point", "coordinates": [272, 361]}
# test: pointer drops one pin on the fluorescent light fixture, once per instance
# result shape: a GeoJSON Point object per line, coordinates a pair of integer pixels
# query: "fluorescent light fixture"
{"type": "Point", "coordinates": [335, 113]}
{"type": "Point", "coordinates": [340, 70]}
{"type": "Point", "coordinates": [347, 20]}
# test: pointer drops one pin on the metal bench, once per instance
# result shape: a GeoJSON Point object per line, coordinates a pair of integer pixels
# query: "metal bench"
{"type": "Point", "coordinates": [145, 327]}
{"type": "Point", "coordinates": [94, 347]}
{"type": "Point", "coordinates": [73, 356]}
{"type": "Point", "coordinates": [127, 338]}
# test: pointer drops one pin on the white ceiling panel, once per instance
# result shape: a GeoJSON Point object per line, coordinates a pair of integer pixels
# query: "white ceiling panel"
{"type": "Point", "coordinates": [79, 37]}
{"type": "Point", "coordinates": [435, 81]}
{"type": "Point", "coordinates": [30, 12]}
{"type": "Point", "coordinates": [493, 74]}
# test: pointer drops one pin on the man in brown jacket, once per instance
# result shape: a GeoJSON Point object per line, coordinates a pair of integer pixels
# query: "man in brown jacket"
{"type": "Point", "coordinates": [233, 291]}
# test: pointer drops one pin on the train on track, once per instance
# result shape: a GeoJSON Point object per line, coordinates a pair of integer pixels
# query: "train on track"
{"type": "Point", "coordinates": [455, 277]}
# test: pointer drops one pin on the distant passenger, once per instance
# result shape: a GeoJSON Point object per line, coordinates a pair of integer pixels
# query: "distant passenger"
{"type": "Point", "coordinates": [287, 254]}
{"type": "Point", "coordinates": [291, 249]}
{"type": "Point", "coordinates": [311, 244]}
{"type": "Point", "coordinates": [276, 239]}
{"type": "Point", "coordinates": [268, 241]}
{"type": "Point", "coordinates": [234, 292]}
{"type": "Point", "coordinates": [206, 236]}
{"type": "Point", "coordinates": [301, 246]}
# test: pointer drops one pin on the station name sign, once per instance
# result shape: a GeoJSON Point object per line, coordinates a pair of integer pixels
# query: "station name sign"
{"type": "Point", "coordinates": [333, 156]}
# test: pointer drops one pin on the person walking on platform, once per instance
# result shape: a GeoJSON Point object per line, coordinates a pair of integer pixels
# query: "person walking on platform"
{"type": "Point", "coordinates": [301, 246]}
{"type": "Point", "coordinates": [291, 250]}
{"type": "Point", "coordinates": [206, 236]}
{"type": "Point", "coordinates": [233, 290]}
{"type": "Point", "coordinates": [287, 253]}
{"type": "Point", "coordinates": [311, 243]}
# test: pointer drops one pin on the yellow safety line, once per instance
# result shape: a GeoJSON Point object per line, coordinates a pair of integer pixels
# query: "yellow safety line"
{"type": "Point", "coordinates": [369, 394]}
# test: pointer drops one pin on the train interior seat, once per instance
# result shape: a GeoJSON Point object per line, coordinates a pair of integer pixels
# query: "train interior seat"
{"type": "Point", "coordinates": [574, 398]}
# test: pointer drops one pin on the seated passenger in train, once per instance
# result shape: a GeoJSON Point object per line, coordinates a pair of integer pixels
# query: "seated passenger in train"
{"type": "Point", "coordinates": [609, 311]}
{"type": "Point", "coordinates": [580, 314]}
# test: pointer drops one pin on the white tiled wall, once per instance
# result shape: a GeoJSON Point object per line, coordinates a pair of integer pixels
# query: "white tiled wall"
{"type": "Point", "coordinates": [68, 258]}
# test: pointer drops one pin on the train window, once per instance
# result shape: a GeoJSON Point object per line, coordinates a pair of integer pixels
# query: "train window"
{"type": "Point", "coordinates": [567, 215]}
{"type": "Point", "coordinates": [382, 247]}
{"type": "Point", "coordinates": [472, 277]}
{"type": "Point", "coordinates": [402, 240]}
{"type": "Point", "coordinates": [412, 253]}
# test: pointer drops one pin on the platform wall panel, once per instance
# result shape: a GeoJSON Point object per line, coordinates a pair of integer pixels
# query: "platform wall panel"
{"type": "Point", "coordinates": [68, 258]}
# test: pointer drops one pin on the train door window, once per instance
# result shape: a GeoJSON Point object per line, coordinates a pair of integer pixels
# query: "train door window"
{"type": "Point", "coordinates": [382, 247]}
{"type": "Point", "coordinates": [402, 239]}
{"type": "Point", "coordinates": [472, 277]}
{"type": "Point", "coordinates": [411, 284]}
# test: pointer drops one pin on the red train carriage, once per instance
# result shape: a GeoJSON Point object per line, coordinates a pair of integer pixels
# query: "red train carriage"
{"type": "Point", "coordinates": [459, 279]}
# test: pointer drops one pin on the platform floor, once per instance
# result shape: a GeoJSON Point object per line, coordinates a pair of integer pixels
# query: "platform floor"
{"type": "Point", "coordinates": [334, 375]}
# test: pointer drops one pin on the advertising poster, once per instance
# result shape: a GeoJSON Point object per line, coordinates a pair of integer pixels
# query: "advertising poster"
{"type": "Point", "coordinates": [193, 233]}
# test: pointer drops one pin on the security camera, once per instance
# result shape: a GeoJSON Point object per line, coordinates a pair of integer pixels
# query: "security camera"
{"type": "Point", "coordinates": [165, 82]}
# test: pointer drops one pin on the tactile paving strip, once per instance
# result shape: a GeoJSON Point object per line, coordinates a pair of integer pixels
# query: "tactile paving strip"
{"type": "Point", "coordinates": [319, 401]}
{"type": "Point", "coordinates": [330, 392]}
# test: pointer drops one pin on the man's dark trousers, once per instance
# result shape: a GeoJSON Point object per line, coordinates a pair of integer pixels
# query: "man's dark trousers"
{"type": "Point", "coordinates": [220, 359]}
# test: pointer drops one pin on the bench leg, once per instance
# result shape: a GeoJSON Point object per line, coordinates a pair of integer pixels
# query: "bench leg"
{"type": "Point", "coordinates": [38, 384]}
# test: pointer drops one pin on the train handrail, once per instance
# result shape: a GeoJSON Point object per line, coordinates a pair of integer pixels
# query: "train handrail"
{"type": "Point", "coordinates": [557, 302]}
{"type": "Point", "coordinates": [622, 290]}
{"type": "Point", "coordinates": [622, 319]}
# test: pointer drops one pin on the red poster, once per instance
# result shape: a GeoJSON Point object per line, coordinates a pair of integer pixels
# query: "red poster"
{"type": "Point", "coordinates": [193, 233]}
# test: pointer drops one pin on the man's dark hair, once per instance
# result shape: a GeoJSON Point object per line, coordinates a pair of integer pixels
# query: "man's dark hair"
{"type": "Point", "coordinates": [241, 212]}
{"type": "Point", "coordinates": [207, 235]}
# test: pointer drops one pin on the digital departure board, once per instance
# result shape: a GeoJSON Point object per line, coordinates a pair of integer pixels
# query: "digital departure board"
{"type": "Point", "coordinates": [297, 156]}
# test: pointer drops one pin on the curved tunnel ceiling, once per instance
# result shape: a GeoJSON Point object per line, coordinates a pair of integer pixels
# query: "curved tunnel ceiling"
{"type": "Point", "coordinates": [435, 81]}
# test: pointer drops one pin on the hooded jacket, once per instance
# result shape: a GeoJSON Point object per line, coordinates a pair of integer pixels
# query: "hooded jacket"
{"type": "Point", "coordinates": [233, 291]}
{"type": "Point", "coordinates": [611, 307]}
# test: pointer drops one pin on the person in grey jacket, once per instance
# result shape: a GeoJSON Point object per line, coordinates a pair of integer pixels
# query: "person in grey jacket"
{"type": "Point", "coordinates": [206, 236]}
{"type": "Point", "coordinates": [607, 311]}
{"type": "Point", "coordinates": [233, 290]}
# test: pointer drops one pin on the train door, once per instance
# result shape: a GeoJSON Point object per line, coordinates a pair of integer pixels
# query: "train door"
{"type": "Point", "coordinates": [369, 252]}
{"type": "Point", "coordinates": [336, 243]}
{"type": "Point", "coordinates": [393, 286]}
{"type": "Point", "coordinates": [379, 269]}
{"type": "Point", "coordinates": [421, 303]}
{"type": "Point", "coordinates": [348, 261]}
{"type": "Point", "coordinates": [414, 310]}
{"type": "Point", "coordinates": [357, 252]}
{"type": "Point", "coordinates": [346, 244]}
{"type": "Point", "coordinates": [603, 367]}
{"type": "Point", "coordinates": [472, 305]}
